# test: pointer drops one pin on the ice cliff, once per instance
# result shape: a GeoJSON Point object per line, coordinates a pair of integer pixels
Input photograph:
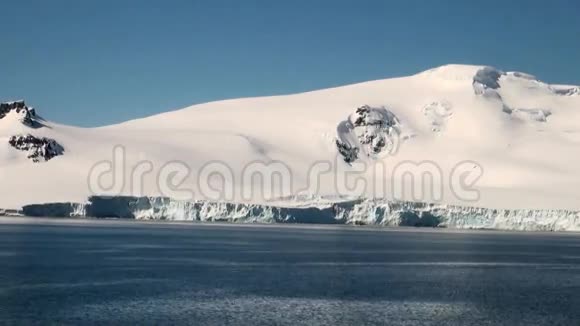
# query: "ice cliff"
{"type": "Point", "coordinates": [357, 212]}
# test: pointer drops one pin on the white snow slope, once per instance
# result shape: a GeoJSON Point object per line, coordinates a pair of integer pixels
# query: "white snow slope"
{"type": "Point", "coordinates": [523, 134]}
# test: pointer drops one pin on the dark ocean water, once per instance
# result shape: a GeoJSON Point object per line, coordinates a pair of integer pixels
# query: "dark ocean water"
{"type": "Point", "coordinates": [118, 272]}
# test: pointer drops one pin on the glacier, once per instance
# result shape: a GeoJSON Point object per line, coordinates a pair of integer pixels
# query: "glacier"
{"type": "Point", "coordinates": [520, 133]}
{"type": "Point", "coordinates": [378, 212]}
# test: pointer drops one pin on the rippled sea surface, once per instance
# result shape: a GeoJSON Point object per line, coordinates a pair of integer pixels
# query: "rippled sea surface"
{"type": "Point", "coordinates": [124, 272]}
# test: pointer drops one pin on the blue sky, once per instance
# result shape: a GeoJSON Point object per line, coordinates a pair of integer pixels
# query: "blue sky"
{"type": "Point", "coordinates": [91, 63]}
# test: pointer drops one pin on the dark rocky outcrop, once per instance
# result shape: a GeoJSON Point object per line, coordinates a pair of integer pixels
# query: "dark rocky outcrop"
{"type": "Point", "coordinates": [39, 149]}
{"type": "Point", "coordinates": [573, 91]}
{"type": "Point", "coordinates": [486, 78]}
{"type": "Point", "coordinates": [27, 114]}
{"type": "Point", "coordinates": [370, 131]}
{"type": "Point", "coordinates": [349, 154]}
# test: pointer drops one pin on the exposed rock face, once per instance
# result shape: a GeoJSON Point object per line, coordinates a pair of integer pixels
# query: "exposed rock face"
{"type": "Point", "coordinates": [27, 114]}
{"type": "Point", "coordinates": [349, 154]}
{"type": "Point", "coordinates": [39, 149]}
{"type": "Point", "coordinates": [573, 91]}
{"type": "Point", "coordinates": [368, 131]}
{"type": "Point", "coordinates": [487, 79]}
{"type": "Point", "coordinates": [486, 83]}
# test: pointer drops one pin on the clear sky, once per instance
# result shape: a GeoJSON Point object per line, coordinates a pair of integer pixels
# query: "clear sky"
{"type": "Point", "coordinates": [91, 63]}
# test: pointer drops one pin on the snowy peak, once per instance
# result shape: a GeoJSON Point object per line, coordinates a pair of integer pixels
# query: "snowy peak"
{"type": "Point", "coordinates": [489, 77]}
{"type": "Point", "coordinates": [18, 124]}
{"type": "Point", "coordinates": [19, 111]}
{"type": "Point", "coordinates": [452, 72]}
{"type": "Point", "coordinates": [522, 96]}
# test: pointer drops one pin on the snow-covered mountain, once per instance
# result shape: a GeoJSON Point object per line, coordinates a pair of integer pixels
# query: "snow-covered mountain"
{"type": "Point", "coordinates": [516, 138]}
